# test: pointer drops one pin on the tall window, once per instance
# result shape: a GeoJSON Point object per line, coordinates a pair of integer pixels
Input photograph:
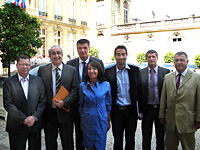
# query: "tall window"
{"type": "Point", "coordinates": [83, 10]}
{"type": "Point", "coordinates": [125, 14]}
{"type": "Point", "coordinates": [42, 5]}
{"type": "Point", "coordinates": [57, 38]}
{"type": "Point", "coordinates": [71, 45]}
{"type": "Point", "coordinates": [71, 9]}
{"type": "Point", "coordinates": [116, 12]}
{"type": "Point", "coordinates": [57, 8]}
{"type": "Point", "coordinates": [43, 48]}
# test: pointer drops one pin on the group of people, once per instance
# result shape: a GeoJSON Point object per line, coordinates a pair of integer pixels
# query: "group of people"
{"type": "Point", "coordinates": [99, 98]}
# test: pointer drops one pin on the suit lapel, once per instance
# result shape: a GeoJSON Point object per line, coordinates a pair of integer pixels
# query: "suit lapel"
{"type": "Point", "coordinates": [19, 86]}
{"type": "Point", "coordinates": [146, 79]}
{"type": "Point", "coordinates": [174, 79]}
{"type": "Point", "coordinates": [64, 72]}
{"type": "Point", "coordinates": [186, 78]}
{"type": "Point", "coordinates": [160, 78]}
{"type": "Point", "coordinates": [49, 76]}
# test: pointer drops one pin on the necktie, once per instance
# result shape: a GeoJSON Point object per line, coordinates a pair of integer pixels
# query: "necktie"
{"type": "Point", "coordinates": [152, 87]}
{"type": "Point", "coordinates": [178, 81]}
{"type": "Point", "coordinates": [83, 73]}
{"type": "Point", "coordinates": [57, 80]}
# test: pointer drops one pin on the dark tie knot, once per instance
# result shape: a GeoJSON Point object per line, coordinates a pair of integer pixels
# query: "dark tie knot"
{"type": "Point", "coordinates": [152, 71]}
{"type": "Point", "coordinates": [179, 75]}
{"type": "Point", "coordinates": [83, 62]}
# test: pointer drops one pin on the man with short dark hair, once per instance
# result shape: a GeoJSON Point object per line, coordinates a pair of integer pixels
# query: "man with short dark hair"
{"type": "Point", "coordinates": [24, 100]}
{"type": "Point", "coordinates": [80, 63]}
{"type": "Point", "coordinates": [124, 81]}
{"type": "Point", "coordinates": [180, 105]}
{"type": "Point", "coordinates": [151, 87]}
{"type": "Point", "coordinates": [55, 75]}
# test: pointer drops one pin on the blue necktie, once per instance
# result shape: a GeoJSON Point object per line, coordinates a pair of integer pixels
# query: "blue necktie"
{"type": "Point", "coordinates": [83, 73]}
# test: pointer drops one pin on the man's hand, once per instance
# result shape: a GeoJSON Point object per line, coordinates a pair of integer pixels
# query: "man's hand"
{"type": "Point", "coordinates": [59, 103]}
{"type": "Point", "coordinates": [162, 121]}
{"type": "Point", "coordinates": [141, 116]}
{"type": "Point", "coordinates": [29, 121]}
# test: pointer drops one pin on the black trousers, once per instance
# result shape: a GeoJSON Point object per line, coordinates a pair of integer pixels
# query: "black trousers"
{"type": "Point", "coordinates": [124, 120]}
{"type": "Point", "coordinates": [150, 117]}
{"type": "Point", "coordinates": [78, 132]}
{"type": "Point", "coordinates": [51, 129]}
{"type": "Point", "coordinates": [18, 140]}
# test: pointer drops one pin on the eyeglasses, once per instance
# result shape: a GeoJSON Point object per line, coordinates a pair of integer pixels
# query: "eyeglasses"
{"type": "Point", "coordinates": [27, 65]}
{"type": "Point", "coordinates": [58, 53]}
{"type": "Point", "coordinates": [177, 60]}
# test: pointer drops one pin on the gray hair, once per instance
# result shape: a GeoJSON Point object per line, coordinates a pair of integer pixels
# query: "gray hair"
{"type": "Point", "coordinates": [182, 53]}
{"type": "Point", "coordinates": [53, 47]}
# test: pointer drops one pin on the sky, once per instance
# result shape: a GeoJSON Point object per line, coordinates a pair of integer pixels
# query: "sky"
{"type": "Point", "coordinates": [142, 9]}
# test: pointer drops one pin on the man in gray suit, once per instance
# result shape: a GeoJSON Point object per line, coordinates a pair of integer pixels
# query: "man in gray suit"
{"type": "Point", "coordinates": [151, 101]}
{"type": "Point", "coordinates": [24, 100]}
{"type": "Point", "coordinates": [56, 117]}
{"type": "Point", "coordinates": [83, 48]}
{"type": "Point", "coordinates": [180, 105]}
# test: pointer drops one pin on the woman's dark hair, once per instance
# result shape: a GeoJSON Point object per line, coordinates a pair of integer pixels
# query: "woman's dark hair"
{"type": "Point", "coordinates": [97, 65]}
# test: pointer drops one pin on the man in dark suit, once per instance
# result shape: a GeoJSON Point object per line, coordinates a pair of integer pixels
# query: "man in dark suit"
{"type": "Point", "coordinates": [151, 92]}
{"type": "Point", "coordinates": [54, 75]}
{"type": "Point", "coordinates": [24, 100]}
{"type": "Point", "coordinates": [83, 48]}
{"type": "Point", "coordinates": [124, 81]}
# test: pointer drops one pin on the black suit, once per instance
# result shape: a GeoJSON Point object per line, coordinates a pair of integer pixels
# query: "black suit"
{"type": "Point", "coordinates": [19, 108]}
{"type": "Point", "coordinates": [79, 134]}
{"type": "Point", "coordinates": [55, 117]}
{"type": "Point", "coordinates": [150, 114]}
{"type": "Point", "coordinates": [124, 119]}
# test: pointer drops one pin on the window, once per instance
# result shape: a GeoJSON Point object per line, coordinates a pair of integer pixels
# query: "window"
{"type": "Point", "coordinates": [42, 8]}
{"type": "Point", "coordinates": [83, 10]}
{"type": "Point", "coordinates": [42, 50]}
{"type": "Point", "coordinates": [58, 9]}
{"type": "Point", "coordinates": [71, 9]}
{"type": "Point", "coordinates": [176, 39]}
{"type": "Point", "coordinates": [71, 45]}
{"type": "Point", "coordinates": [125, 14]}
{"type": "Point", "coordinates": [57, 38]}
{"type": "Point", "coordinates": [116, 12]}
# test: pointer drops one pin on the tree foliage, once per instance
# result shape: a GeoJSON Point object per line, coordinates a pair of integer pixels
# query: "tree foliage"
{"type": "Point", "coordinates": [141, 57]}
{"type": "Point", "coordinates": [197, 60]}
{"type": "Point", "coordinates": [94, 52]}
{"type": "Point", "coordinates": [169, 57]}
{"type": "Point", "coordinates": [19, 33]}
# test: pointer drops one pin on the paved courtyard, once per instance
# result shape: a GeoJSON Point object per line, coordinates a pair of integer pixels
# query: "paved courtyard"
{"type": "Point", "coordinates": [4, 143]}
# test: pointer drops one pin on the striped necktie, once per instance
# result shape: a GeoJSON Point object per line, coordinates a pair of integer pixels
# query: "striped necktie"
{"type": "Point", "coordinates": [57, 80]}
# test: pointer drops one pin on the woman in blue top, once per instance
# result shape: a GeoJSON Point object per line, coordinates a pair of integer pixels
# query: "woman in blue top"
{"type": "Point", "coordinates": [95, 106]}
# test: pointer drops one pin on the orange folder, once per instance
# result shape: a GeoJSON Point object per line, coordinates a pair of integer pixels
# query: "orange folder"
{"type": "Point", "coordinates": [61, 95]}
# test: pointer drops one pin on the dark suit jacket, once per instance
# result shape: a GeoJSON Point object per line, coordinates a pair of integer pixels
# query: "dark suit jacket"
{"type": "Point", "coordinates": [144, 84]}
{"type": "Point", "coordinates": [110, 74]}
{"type": "Point", "coordinates": [69, 79]}
{"type": "Point", "coordinates": [75, 63]}
{"type": "Point", "coordinates": [19, 108]}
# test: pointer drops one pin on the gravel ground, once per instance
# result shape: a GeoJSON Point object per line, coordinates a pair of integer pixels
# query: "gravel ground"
{"type": "Point", "coordinates": [4, 144]}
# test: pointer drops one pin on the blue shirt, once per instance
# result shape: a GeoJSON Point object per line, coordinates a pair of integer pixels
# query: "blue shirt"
{"type": "Point", "coordinates": [123, 86]}
{"type": "Point", "coordinates": [95, 105]}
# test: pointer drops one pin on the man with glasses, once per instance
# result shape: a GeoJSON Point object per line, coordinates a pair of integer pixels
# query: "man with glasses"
{"type": "Point", "coordinates": [180, 105]}
{"type": "Point", "coordinates": [24, 100]}
{"type": "Point", "coordinates": [55, 75]}
{"type": "Point", "coordinates": [80, 63]}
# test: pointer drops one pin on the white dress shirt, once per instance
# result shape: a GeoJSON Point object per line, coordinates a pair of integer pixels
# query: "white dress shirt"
{"type": "Point", "coordinates": [25, 83]}
{"type": "Point", "coordinates": [81, 66]}
{"type": "Point", "coordinates": [182, 75]}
